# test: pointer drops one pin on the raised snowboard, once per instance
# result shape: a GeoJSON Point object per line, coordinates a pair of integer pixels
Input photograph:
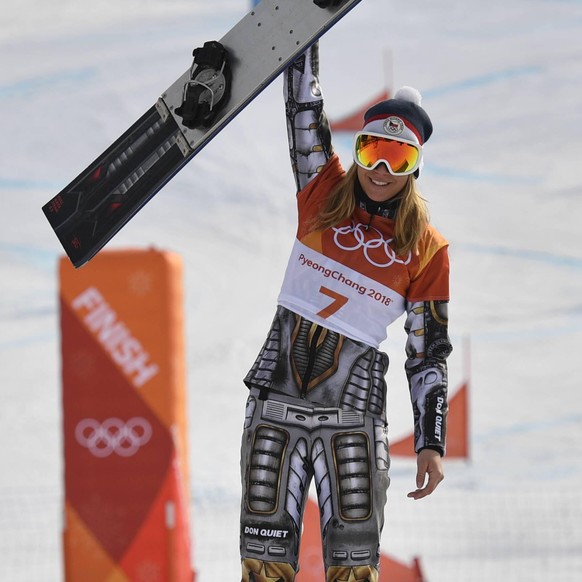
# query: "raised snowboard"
{"type": "Point", "coordinates": [225, 77]}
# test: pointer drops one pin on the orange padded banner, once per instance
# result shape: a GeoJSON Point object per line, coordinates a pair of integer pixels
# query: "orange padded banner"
{"type": "Point", "coordinates": [124, 417]}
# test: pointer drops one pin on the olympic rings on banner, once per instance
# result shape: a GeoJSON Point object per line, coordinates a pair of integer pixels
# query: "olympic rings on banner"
{"type": "Point", "coordinates": [113, 436]}
{"type": "Point", "coordinates": [358, 232]}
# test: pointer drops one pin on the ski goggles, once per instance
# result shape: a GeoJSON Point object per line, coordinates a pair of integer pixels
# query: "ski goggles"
{"type": "Point", "coordinates": [402, 157]}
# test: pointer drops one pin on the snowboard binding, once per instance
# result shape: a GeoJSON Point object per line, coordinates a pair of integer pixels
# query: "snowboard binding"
{"type": "Point", "coordinates": [208, 89]}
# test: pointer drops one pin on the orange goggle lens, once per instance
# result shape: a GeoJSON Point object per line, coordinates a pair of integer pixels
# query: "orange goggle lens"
{"type": "Point", "coordinates": [401, 158]}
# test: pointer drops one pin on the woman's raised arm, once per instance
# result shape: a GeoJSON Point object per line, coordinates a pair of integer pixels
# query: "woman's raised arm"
{"type": "Point", "coordinates": [307, 126]}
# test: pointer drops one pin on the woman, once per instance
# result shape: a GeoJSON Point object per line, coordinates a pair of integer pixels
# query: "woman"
{"type": "Point", "coordinates": [364, 254]}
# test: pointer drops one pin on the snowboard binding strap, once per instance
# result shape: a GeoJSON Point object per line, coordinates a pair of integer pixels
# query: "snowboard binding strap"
{"type": "Point", "coordinates": [208, 89]}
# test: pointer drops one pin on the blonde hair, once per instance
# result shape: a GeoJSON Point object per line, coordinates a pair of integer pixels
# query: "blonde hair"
{"type": "Point", "coordinates": [411, 219]}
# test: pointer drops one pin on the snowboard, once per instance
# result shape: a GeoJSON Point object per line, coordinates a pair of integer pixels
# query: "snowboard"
{"type": "Point", "coordinates": [225, 77]}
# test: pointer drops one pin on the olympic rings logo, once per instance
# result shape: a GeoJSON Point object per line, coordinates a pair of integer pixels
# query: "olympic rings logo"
{"type": "Point", "coordinates": [358, 232]}
{"type": "Point", "coordinates": [113, 436]}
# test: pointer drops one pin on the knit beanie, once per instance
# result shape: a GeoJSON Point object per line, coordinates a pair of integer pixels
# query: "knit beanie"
{"type": "Point", "coordinates": [400, 118]}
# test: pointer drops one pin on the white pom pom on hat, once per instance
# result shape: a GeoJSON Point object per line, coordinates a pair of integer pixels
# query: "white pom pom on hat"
{"type": "Point", "coordinates": [409, 94]}
{"type": "Point", "coordinates": [401, 117]}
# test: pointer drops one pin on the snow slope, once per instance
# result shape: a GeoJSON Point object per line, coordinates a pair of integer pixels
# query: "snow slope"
{"type": "Point", "coordinates": [502, 82]}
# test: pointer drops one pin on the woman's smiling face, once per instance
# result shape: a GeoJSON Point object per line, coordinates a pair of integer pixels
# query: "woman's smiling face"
{"type": "Point", "coordinates": [379, 184]}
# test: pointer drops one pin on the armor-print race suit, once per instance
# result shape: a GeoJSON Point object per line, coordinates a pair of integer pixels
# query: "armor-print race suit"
{"type": "Point", "coordinates": [316, 408]}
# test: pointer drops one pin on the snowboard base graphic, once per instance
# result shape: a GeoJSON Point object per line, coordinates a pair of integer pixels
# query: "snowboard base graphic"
{"type": "Point", "coordinates": [109, 192]}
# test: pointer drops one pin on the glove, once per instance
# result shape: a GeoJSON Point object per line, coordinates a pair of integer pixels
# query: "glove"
{"type": "Point", "coordinates": [326, 3]}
